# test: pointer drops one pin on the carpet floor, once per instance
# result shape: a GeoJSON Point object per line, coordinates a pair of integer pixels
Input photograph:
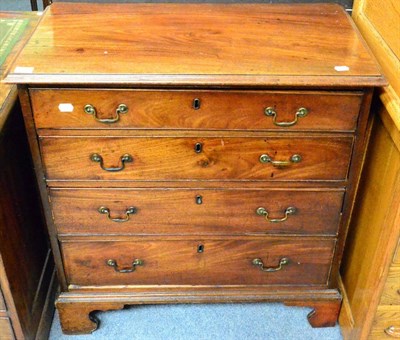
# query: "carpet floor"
{"type": "Point", "coordinates": [17, 5]}
{"type": "Point", "coordinates": [256, 321]}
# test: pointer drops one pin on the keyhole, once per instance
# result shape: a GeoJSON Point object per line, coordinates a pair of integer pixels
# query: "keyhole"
{"type": "Point", "coordinates": [200, 248]}
{"type": "Point", "coordinates": [199, 199]}
{"type": "Point", "coordinates": [196, 103]}
{"type": "Point", "coordinates": [198, 147]}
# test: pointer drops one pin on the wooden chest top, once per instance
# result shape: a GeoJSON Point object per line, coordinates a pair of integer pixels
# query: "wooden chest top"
{"type": "Point", "coordinates": [197, 45]}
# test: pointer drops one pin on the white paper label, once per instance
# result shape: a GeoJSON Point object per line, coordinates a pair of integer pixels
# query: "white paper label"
{"type": "Point", "coordinates": [342, 68]}
{"type": "Point", "coordinates": [23, 69]}
{"type": "Point", "coordinates": [66, 107]}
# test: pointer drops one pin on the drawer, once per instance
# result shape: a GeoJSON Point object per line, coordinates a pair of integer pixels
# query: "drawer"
{"type": "Point", "coordinates": [391, 291]}
{"type": "Point", "coordinates": [166, 158]}
{"type": "Point", "coordinates": [199, 262]}
{"type": "Point", "coordinates": [386, 324]}
{"type": "Point", "coordinates": [200, 211]}
{"type": "Point", "coordinates": [6, 331]}
{"type": "Point", "coordinates": [207, 110]}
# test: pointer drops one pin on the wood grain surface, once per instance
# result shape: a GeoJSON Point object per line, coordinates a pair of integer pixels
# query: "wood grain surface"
{"type": "Point", "coordinates": [371, 241]}
{"type": "Point", "coordinates": [75, 307]}
{"type": "Point", "coordinates": [386, 324]}
{"type": "Point", "coordinates": [226, 44]}
{"type": "Point", "coordinates": [396, 258]}
{"type": "Point", "coordinates": [324, 313]}
{"type": "Point", "coordinates": [2, 302]}
{"type": "Point", "coordinates": [22, 230]}
{"type": "Point", "coordinates": [228, 110]}
{"type": "Point", "coordinates": [178, 262]}
{"type": "Point", "coordinates": [176, 159]}
{"type": "Point", "coordinates": [177, 212]}
{"type": "Point", "coordinates": [8, 92]}
{"type": "Point", "coordinates": [384, 16]}
{"type": "Point", "coordinates": [391, 290]}
{"type": "Point", "coordinates": [369, 275]}
{"type": "Point", "coordinates": [6, 331]}
{"type": "Point", "coordinates": [26, 267]}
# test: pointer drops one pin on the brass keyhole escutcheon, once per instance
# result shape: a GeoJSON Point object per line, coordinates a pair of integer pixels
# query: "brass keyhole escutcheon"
{"type": "Point", "coordinates": [196, 104]}
{"type": "Point", "coordinates": [199, 199]}
{"type": "Point", "coordinates": [198, 147]}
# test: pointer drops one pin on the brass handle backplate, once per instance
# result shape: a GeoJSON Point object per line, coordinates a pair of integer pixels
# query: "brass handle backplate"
{"type": "Point", "coordinates": [128, 212]}
{"type": "Point", "coordinates": [270, 112]}
{"type": "Point", "coordinates": [91, 110]}
{"type": "Point", "coordinates": [95, 157]}
{"type": "Point", "coordinates": [264, 212]}
{"type": "Point", "coordinates": [114, 264]}
{"type": "Point", "coordinates": [392, 331]}
{"type": "Point", "coordinates": [264, 158]}
{"type": "Point", "coordinates": [259, 263]}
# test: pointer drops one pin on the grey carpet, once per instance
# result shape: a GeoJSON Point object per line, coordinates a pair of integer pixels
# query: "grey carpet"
{"type": "Point", "coordinates": [258, 321]}
{"type": "Point", "coordinates": [17, 5]}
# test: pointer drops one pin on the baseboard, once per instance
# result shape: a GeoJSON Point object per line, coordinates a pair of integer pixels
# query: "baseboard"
{"type": "Point", "coordinates": [346, 320]}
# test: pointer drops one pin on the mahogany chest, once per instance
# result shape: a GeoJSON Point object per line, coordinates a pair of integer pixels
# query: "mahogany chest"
{"type": "Point", "coordinates": [196, 153]}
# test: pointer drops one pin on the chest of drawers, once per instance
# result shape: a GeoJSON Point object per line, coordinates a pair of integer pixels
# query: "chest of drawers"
{"type": "Point", "coordinates": [185, 156]}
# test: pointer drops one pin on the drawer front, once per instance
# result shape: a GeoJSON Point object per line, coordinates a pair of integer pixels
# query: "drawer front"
{"type": "Point", "coordinates": [206, 110]}
{"type": "Point", "coordinates": [198, 262]}
{"type": "Point", "coordinates": [6, 331]}
{"type": "Point", "coordinates": [201, 211]}
{"type": "Point", "coordinates": [166, 158]}
{"type": "Point", "coordinates": [386, 324]}
{"type": "Point", "coordinates": [391, 291]}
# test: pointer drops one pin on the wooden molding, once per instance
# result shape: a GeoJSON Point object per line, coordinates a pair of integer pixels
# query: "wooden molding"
{"type": "Point", "coordinates": [389, 62]}
{"type": "Point", "coordinates": [346, 319]}
{"type": "Point", "coordinates": [391, 120]}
